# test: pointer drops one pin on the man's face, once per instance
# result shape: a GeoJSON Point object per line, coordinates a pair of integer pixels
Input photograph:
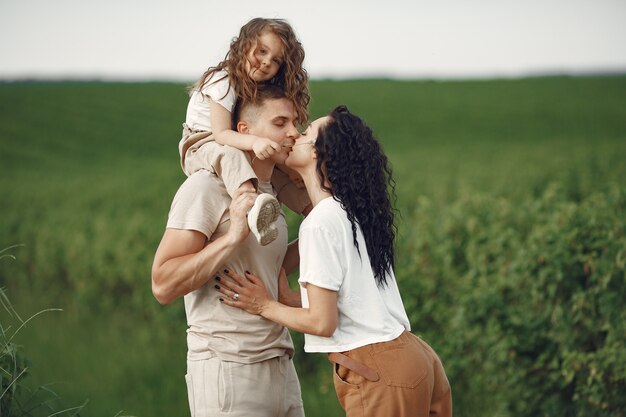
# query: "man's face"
{"type": "Point", "coordinates": [277, 122]}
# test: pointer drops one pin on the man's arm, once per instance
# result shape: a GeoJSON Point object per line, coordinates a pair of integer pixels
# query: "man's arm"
{"type": "Point", "coordinates": [292, 257]}
{"type": "Point", "coordinates": [286, 295]}
{"type": "Point", "coordinates": [183, 264]}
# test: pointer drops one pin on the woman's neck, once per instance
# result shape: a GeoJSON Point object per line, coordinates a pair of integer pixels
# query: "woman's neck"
{"type": "Point", "coordinates": [314, 188]}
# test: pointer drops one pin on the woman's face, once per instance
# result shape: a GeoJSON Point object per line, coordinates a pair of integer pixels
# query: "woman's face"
{"type": "Point", "coordinates": [302, 152]}
{"type": "Point", "coordinates": [265, 58]}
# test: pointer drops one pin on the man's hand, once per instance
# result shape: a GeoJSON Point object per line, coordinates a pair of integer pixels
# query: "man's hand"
{"type": "Point", "coordinates": [263, 148]}
{"type": "Point", "coordinates": [239, 207]}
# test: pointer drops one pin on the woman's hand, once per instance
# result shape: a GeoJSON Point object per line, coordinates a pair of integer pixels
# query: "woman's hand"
{"type": "Point", "coordinates": [245, 292]}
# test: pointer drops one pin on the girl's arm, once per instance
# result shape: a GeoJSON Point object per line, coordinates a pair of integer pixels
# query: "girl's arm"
{"type": "Point", "coordinates": [320, 318]}
{"type": "Point", "coordinates": [221, 124]}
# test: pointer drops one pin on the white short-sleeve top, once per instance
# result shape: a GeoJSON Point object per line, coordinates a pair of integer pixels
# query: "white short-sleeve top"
{"type": "Point", "coordinates": [328, 259]}
{"type": "Point", "coordinates": [217, 89]}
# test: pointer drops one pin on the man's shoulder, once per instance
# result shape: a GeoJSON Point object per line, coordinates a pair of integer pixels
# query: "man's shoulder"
{"type": "Point", "coordinates": [203, 185]}
{"type": "Point", "coordinates": [200, 204]}
{"type": "Point", "coordinates": [200, 181]}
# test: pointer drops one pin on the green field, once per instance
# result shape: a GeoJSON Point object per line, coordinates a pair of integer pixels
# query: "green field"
{"type": "Point", "coordinates": [510, 256]}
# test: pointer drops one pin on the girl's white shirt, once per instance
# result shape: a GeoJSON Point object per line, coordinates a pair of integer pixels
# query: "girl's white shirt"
{"type": "Point", "coordinates": [199, 109]}
{"type": "Point", "coordinates": [328, 259]}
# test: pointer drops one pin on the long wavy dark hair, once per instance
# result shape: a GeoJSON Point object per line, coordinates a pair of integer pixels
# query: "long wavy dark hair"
{"type": "Point", "coordinates": [353, 168]}
{"type": "Point", "coordinates": [291, 76]}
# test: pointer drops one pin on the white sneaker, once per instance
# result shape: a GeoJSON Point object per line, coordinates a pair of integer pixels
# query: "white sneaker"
{"type": "Point", "coordinates": [262, 219]}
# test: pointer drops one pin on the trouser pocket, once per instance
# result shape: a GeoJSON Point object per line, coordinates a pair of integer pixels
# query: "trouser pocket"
{"type": "Point", "coordinates": [190, 396]}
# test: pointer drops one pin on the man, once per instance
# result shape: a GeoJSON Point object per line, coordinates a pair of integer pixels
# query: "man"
{"type": "Point", "coordinates": [238, 364]}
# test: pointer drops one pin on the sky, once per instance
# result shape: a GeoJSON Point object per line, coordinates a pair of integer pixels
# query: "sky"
{"type": "Point", "coordinates": [177, 40]}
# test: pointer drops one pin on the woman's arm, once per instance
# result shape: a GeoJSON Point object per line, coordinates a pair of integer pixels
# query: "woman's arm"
{"type": "Point", "coordinates": [320, 318]}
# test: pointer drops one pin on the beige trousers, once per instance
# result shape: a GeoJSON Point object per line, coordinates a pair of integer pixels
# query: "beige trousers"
{"type": "Point", "coordinates": [265, 389]}
{"type": "Point", "coordinates": [411, 381]}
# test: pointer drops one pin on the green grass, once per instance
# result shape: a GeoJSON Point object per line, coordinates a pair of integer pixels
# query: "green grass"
{"type": "Point", "coordinates": [88, 171]}
{"type": "Point", "coordinates": [120, 362]}
{"type": "Point", "coordinates": [115, 362]}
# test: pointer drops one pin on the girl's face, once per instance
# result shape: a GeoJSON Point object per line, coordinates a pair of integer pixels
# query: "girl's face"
{"type": "Point", "coordinates": [265, 58]}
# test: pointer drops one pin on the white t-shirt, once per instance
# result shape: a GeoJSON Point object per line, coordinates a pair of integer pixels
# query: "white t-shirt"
{"type": "Point", "coordinates": [328, 259]}
{"type": "Point", "coordinates": [199, 110]}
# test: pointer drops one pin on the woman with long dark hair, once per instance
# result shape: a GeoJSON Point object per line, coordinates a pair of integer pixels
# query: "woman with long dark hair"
{"type": "Point", "coordinates": [349, 305]}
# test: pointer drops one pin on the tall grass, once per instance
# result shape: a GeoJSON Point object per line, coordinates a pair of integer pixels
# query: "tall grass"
{"type": "Point", "coordinates": [16, 397]}
{"type": "Point", "coordinates": [115, 361]}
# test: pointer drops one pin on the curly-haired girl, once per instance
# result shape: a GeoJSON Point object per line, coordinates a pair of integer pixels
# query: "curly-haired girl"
{"type": "Point", "coordinates": [265, 52]}
{"type": "Point", "coordinates": [349, 305]}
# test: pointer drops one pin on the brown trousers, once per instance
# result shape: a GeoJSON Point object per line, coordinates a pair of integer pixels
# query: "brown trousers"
{"type": "Point", "coordinates": [409, 381]}
{"type": "Point", "coordinates": [198, 150]}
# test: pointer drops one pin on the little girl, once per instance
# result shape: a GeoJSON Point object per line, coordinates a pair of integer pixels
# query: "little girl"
{"type": "Point", "coordinates": [266, 51]}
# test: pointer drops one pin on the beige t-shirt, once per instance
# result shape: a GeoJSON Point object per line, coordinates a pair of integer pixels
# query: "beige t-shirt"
{"type": "Point", "coordinates": [216, 329]}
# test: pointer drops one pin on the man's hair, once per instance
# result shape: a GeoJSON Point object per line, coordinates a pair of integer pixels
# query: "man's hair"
{"type": "Point", "coordinates": [249, 110]}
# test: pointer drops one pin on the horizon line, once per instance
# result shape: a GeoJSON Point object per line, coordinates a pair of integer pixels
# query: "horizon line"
{"type": "Point", "coordinates": [597, 72]}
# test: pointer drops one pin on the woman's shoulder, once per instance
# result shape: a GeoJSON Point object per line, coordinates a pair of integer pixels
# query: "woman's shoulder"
{"type": "Point", "coordinates": [327, 214]}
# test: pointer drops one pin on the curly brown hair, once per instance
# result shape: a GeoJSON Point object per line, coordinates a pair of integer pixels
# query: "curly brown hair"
{"type": "Point", "coordinates": [352, 167]}
{"type": "Point", "coordinates": [291, 76]}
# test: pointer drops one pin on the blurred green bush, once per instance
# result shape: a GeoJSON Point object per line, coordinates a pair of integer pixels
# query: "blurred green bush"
{"type": "Point", "coordinates": [524, 301]}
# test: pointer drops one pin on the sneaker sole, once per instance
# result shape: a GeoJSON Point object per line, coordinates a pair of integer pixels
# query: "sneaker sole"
{"type": "Point", "coordinates": [265, 229]}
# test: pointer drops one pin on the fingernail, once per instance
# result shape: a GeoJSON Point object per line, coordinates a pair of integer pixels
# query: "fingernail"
{"type": "Point", "coordinates": [226, 270]}
{"type": "Point", "coordinates": [217, 278]}
{"type": "Point", "coordinates": [248, 272]}
{"type": "Point", "coordinates": [221, 300]}
{"type": "Point", "coordinates": [217, 286]}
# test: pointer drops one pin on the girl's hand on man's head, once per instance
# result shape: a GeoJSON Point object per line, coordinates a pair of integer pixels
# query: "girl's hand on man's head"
{"type": "Point", "coordinates": [263, 148]}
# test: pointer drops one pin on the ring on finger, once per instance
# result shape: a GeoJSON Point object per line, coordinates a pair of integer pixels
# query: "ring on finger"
{"type": "Point", "coordinates": [236, 296]}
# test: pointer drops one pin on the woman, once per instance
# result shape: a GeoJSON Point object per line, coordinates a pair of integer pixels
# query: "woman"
{"type": "Point", "coordinates": [350, 304]}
